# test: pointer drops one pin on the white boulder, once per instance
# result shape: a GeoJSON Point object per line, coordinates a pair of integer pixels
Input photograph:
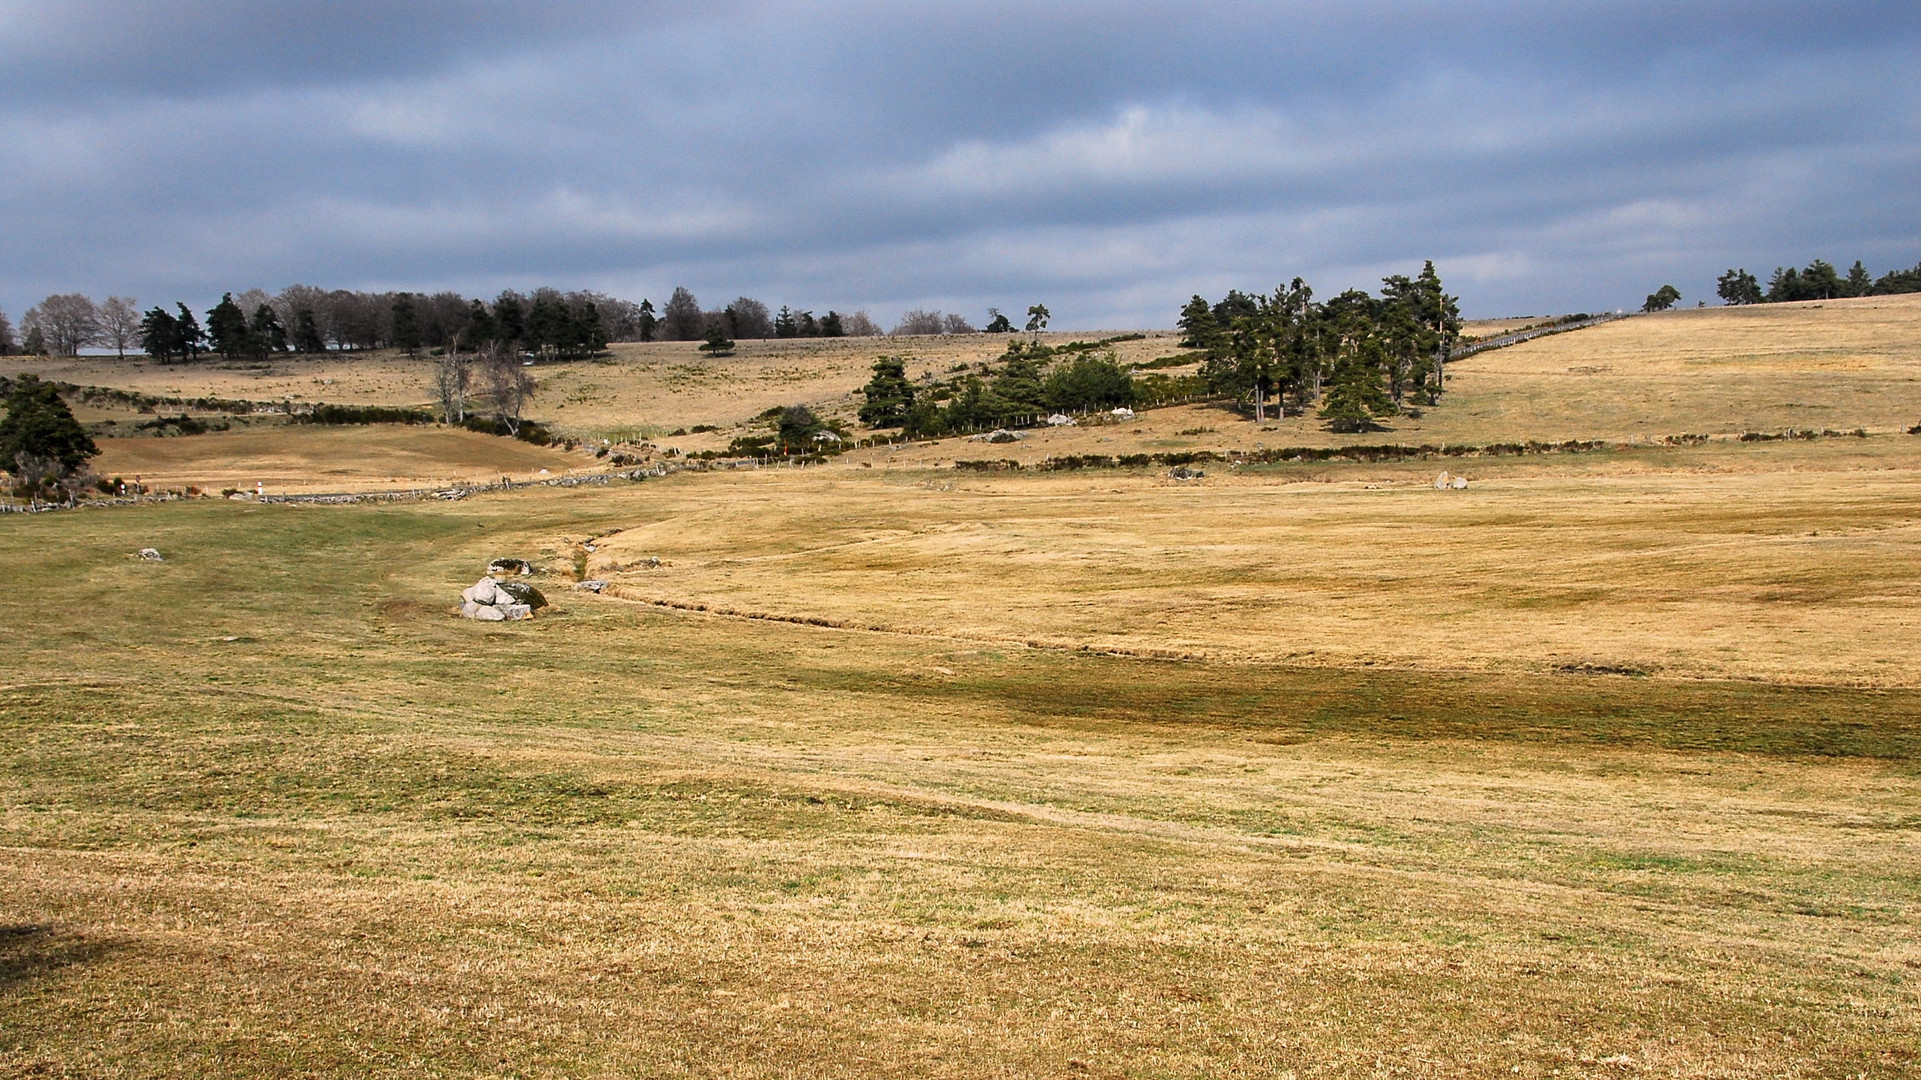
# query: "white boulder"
{"type": "Point", "coordinates": [484, 591]}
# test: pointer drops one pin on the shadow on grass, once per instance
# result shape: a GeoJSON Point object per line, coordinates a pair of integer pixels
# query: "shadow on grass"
{"type": "Point", "coordinates": [32, 950]}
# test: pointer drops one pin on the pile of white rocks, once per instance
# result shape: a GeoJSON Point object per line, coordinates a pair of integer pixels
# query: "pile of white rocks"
{"type": "Point", "coordinates": [492, 600]}
{"type": "Point", "coordinates": [1444, 482]}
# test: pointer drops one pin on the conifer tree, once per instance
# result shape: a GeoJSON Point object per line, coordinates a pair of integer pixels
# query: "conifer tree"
{"type": "Point", "coordinates": [406, 333]}
{"type": "Point", "coordinates": [890, 396]}
{"type": "Point", "coordinates": [38, 424]}
{"type": "Point", "coordinates": [159, 334]}
{"type": "Point", "coordinates": [267, 333]}
{"type": "Point", "coordinates": [187, 335]}
{"type": "Point", "coordinates": [227, 329]}
{"type": "Point", "coordinates": [306, 333]}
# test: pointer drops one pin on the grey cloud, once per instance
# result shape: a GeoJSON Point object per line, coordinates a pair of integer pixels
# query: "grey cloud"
{"type": "Point", "coordinates": [1109, 159]}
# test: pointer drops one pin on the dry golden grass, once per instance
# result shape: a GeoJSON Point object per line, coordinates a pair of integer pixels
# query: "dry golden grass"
{"type": "Point", "coordinates": [302, 458]}
{"type": "Point", "coordinates": [639, 391]}
{"type": "Point", "coordinates": [270, 808]}
{"type": "Point", "coordinates": [252, 827]}
{"type": "Point", "coordinates": [1836, 365]}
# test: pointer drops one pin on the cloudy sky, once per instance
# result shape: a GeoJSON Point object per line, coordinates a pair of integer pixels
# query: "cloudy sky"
{"type": "Point", "coordinates": [1108, 159]}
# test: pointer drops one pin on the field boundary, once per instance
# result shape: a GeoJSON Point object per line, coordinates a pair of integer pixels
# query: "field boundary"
{"type": "Point", "coordinates": [1504, 340]}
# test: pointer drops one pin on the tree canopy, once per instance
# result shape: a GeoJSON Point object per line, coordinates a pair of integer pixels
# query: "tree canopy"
{"type": "Point", "coordinates": [38, 424]}
{"type": "Point", "coordinates": [1359, 356]}
{"type": "Point", "coordinates": [1661, 299]}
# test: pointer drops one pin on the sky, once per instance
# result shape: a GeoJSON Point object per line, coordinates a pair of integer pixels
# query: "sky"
{"type": "Point", "coordinates": [1106, 159]}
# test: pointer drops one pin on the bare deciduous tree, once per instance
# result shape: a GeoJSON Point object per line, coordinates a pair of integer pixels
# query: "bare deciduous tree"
{"type": "Point", "coordinates": [120, 323]}
{"type": "Point", "coordinates": [453, 379]}
{"type": "Point", "coordinates": [67, 321]}
{"type": "Point", "coordinates": [859, 324]}
{"type": "Point", "coordinates": [749, 318]}
{"type": "Point", "coordinates": [914, 321]}
{"type": "Point", "coordinates": [682, 318]}
{"type": "Point", "coordinates": [956, 324]}
{"type": "Point", "coordinates": [34, 470]}
{"type": "Point", "coordinates": [508, 383]}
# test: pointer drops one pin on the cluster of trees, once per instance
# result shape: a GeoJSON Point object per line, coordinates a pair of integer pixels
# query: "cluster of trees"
{"type": "Point", "coordinates": [1661, 299]}
{"type": "Point", "coordinates": [1819, 280]}
{"type": "Point", "coordinates": [1029, 381]}
{"type": "Point", "coordinates": [65, 323]}
{"type": "Point", "coordinates": [1361, 357]}
{"type": "Point", "coordinates": [683, 319]}
{"type": "Point", "coordinates": [917, 322]}
{"type": "Point", "coordinates": [308, 319]}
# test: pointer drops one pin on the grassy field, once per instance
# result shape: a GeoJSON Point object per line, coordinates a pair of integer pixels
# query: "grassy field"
{"type": "Point", "coordinates": [1609, 765]}
{"type": "Point", "coordinates": [1834, 365]}
{"type": "Point", "coordinates": [303, 458]}
{"type": "Point", "coordinates": [270, 809]}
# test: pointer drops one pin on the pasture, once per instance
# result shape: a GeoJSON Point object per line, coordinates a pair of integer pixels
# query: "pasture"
{"type": "Point", "coordinates": [1605, 766]}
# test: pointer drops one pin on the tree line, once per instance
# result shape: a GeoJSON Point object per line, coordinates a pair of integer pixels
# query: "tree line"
{"type": "Point", "coordinates": [1819, 280]}
{"type": "Point", "coordinates": [1359, 357]}
{"type": "Point", "coordinates": [309, 319]}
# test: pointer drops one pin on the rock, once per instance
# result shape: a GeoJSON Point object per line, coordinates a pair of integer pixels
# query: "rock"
{"type": "Point", "coordinates": [150, 555]}
{"type": "Point", "coordinates": [1460, 483]}
{"type": "Point", "coordinates": [1442, 481]}
{"type": "Point", "coordinates": [510, 566]}
{"type": "Point", "coordinates": [484, 591]}
{"type": "Point", "coordinates": [486, 613]}
{"type": "Point", "coordinates": [592, 585]}
{"type": "Point", "coordinates": [514, 611]}
{"type": "Point", "coordinates": [519, 592]}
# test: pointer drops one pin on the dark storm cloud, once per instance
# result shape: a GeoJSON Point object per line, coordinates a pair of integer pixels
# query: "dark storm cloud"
{"type": "Point", "coordinates": [1109, 159]}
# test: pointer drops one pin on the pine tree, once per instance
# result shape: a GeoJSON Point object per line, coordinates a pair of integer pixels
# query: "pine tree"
{"type": "Point", "coordinates": [1820, 281]}
{"type": "Point", "coordinates": [1354, 394]}
{"type": "Point", "coordinates": [890, 396]}
{"type": "Point", "coordinates": [480, 325]}
{"type": "Point", "coordinates": [39, 425]}
{"type": "Point", "coordinates": [187, 335]}
{"type": "Point", "coordinates": [509, 319]}
{"type": "Point", "coordinates": [227, 329]}
{"type": "Point", "coordinates": [1199, 330]}
{"type": "Point", "coordinates": [647, 321]}
{"type": "Point", "coordinates": [267, 333]}
{"type": "Point", "coordinates": [1738, 287]}
{"type": "Point", "coordinates": [159, 334]}
{"type": "Point", "coordinates": [406, 324]}
{"type": "Point", "coordinates": [588, 329]}
{"type": "Point", "coordinates": [717, 343]}
{"type": "Point", "coordinates": [306, 333]}
{"type": "Point", "coordinates": [1858, 283]}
